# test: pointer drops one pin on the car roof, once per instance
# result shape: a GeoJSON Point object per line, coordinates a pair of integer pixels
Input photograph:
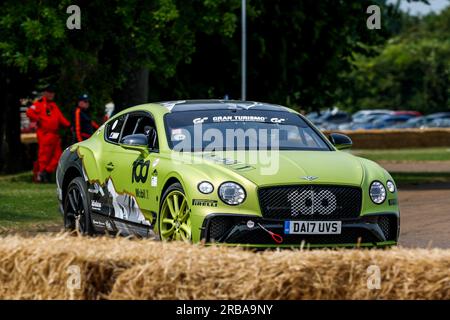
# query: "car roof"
{"type": "Point", "coordinates": [395, 116]}
{"type": "Point", "coordinates": [201, 105]}
{"type": "Point", "coordinates": [370, 111]}
{"type": "Point", "coordinates": [163, 107]}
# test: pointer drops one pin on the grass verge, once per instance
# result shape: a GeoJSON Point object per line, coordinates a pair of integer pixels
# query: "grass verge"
{"type": "Point", "coordinates": [422, 154]}
{"type": "Point", "coordinates": [420, 178]}
{"type": "Point", "coordinates": [27, 205]}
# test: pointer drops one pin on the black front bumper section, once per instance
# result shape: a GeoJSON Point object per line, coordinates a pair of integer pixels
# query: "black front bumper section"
{"type": "Point", "coordinates": [235, 229]}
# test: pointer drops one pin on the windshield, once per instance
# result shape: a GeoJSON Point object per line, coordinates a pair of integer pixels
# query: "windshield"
{"type": "Point", "coordinates": [223, 130]}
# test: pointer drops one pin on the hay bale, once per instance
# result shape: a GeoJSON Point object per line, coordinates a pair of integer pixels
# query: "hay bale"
{"type": "Point", "coordinates": [37, 268]}
{"type": "Point", "coordinates": [405, 274]}
{"type": "Point", "coordinates": [119, 268]}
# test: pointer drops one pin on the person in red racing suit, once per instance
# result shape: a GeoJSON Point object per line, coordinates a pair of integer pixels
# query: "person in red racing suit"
{"type": "Point", "coordinates": [84, 126]}
{"type": "Point", "coordinates": [49, 119]}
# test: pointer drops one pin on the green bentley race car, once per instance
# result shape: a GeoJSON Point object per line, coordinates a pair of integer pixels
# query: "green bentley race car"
{"type": "Point", "coordinates": [226, 172]}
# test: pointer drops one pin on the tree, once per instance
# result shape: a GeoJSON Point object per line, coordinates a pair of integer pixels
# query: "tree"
{"type": "Point", "coordinates": [118, 47]}
{"type": "Point", "coordinates": [296, 51]}
{"type": "Point", "coordinates": [133, 51]}
{"type": "Point", "coordinates": [412, 71]}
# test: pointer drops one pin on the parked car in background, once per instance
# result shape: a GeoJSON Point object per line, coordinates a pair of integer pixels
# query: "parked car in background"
{"type": "Point", "coordinates": [363, 123]}
{"type": "Point", "coordinates": [407, 112]}
{"type": "Point", "coordinates": [331, 119]}
{"type": "Point", "coordinates": [440, 123]}
{"type": "Point", "coordinates": [363, 119]}
{"type": "Point", "coordinates": [438, 115]}
{"type": "Point", "coordinates": [362, 115]}
{"type": "Point", "coordinates": [335, 119]}
{"type": "Point", "coordinates": [391, 121]}
{"type": "Point", "coordinates": [431, 120]}
{"type": "Point", "coordinates": [416, 122]}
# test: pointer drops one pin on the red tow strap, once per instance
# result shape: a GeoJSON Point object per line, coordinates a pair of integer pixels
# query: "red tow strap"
{"type": "Point", "coordinates": [276, 237]}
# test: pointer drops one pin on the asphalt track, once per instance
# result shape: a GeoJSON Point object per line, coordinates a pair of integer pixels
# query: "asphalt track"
{"type": "Point", "coordinates": [425, 216]}
{"type": "Point", "coordinates": [424, 209]}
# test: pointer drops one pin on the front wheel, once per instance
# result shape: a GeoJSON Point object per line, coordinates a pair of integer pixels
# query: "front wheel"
{"type": "Point", "coordinates": [175, 215]}
{"type": "Point", "coordinates": [76, 208]}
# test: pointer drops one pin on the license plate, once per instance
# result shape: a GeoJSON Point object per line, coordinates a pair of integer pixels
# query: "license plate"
{"type": "Point", "coordinates": [312, 227]}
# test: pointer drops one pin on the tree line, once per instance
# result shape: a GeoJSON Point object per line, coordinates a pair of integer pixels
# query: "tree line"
{"type": "Point", "coordinates": [305, 54]}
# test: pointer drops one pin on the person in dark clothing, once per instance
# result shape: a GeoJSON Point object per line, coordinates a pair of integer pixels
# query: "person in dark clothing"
{"type": "Point", "coordinates": [84, 126]}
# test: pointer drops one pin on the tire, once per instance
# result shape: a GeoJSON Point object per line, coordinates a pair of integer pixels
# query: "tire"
{"type": "Point", "coordinates": [77, 215]}
{"type": "Point", "coordinates": [175, 215]}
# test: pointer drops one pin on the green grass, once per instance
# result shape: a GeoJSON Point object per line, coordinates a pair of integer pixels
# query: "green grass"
{"type": "Point", "coordinates": [24, 204]}
{"type": "Point", "coordinates": [410, 178]}
{"type": "Point", "coordinates": [423, 154]}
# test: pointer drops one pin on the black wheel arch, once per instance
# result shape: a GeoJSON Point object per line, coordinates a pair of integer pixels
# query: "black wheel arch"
{"type": "Point", "coordinates": [169, 182]}
{"type": "Point", "coordinates": [71, 167]}
{"type": "Point", "coordinates": [70, 174]}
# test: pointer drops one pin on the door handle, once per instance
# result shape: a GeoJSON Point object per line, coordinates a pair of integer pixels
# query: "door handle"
{"type": "Point", "coordinates": [110, 166]}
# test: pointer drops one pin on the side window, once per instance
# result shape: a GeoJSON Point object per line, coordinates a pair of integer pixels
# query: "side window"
{"type": "Point", "coordinates": [113, 129]}
{"type": "Point", "coordinates": [131, 125]}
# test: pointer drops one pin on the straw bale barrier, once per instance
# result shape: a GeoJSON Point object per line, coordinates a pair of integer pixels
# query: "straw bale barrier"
{"type": "Point", "coordinates": [43, 267]}
{"type": "Point", "coordinates": [399, 138]}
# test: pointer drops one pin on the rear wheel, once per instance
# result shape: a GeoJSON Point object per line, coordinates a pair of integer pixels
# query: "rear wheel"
{"type": "Point", "coordinates": [175, 215]}
{"type": "Point", "coordinates": [76, 208]}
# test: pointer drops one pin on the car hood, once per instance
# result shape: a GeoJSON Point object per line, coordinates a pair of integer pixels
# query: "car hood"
{"type": "Point", "coordinates": [289, 167]}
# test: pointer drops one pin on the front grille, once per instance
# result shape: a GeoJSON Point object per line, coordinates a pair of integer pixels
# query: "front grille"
{"type": "Point", "coordinates": [310, 202]}
{"type": "Point", "coordinates": [218, 226]}
{"type": "Point", "coordinates": [388, 225]}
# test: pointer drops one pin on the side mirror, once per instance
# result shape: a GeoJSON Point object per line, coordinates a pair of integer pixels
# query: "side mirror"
{"type": "Point", "coordinates": [340, 141]}
{"type": "Point", "coordinates": [138, 142]}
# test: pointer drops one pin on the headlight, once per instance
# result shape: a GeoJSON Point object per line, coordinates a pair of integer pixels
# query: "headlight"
{"type": "Point", "coordinates": [231, 193]}
{"type": "Point", "coordinates": [390, 186]}
{"type": "Point", "coordinates": [205, 187]}
{"type": "Point", "coordinates": [377, 192]}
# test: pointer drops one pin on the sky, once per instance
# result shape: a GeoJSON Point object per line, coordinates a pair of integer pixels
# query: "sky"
{"type": "Point", "coordinates": [420, 8]}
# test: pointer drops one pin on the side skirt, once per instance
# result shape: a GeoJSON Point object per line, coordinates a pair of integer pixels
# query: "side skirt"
{"type": "Point", "coordinates": [115, 226]}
